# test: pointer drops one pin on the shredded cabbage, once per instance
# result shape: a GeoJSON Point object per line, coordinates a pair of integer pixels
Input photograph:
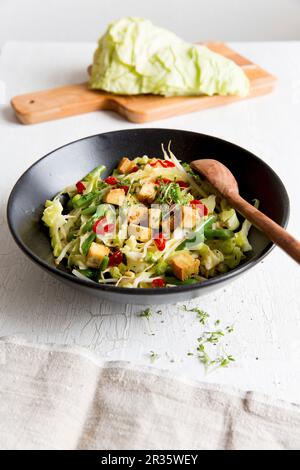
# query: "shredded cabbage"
{"type": "Point", "coordinates": [89, 233]}
{"type": "Point", "coordinates": [229, 218]}
{"type": "Point", "coordinates": [53, 218]}
{"type": "Point", "coordinates": [209, 258]}
{"type": "Point", "coordinates": [241, 237]}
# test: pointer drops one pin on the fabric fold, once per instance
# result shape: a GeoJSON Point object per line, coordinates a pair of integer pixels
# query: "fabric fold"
{"type": "Point", "coordinates": [58, 397]}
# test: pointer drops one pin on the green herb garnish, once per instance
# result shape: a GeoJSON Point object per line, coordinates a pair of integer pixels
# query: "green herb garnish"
{"type": "Point", "coordinates": [153, 356]}
{"type": "Point", "coordinates": [147, 313]}
{"type": "Point", "coordinates": [201, 314]}
{"type": "Point", "coordinates": [213, 337]}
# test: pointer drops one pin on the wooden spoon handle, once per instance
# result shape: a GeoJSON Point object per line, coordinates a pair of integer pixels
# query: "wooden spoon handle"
{"type": "Point", "coordinates": [271, 229]}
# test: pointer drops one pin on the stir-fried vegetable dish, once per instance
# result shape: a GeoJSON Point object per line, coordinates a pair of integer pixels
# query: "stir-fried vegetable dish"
{"type": "Point", "coordinates": [152, 223]}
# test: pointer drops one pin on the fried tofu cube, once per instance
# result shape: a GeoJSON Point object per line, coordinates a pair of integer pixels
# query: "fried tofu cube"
{"type": "Point", "coordinates": [125, 165]}
{"type": "Point", "coordinates": [137, 213]}
{"type": "Point", "coordinates": [154, 218]}
{"type": "Point", "coordinates": [142, 234]}
{"type": "Point", "coordinates": [96, 254]}
{"type": "Point", "coordinates": [167, 225]}
{"type": "Point", "coordinates": [184, 265]}
{"type": "Point", "coordinates": [189, 217]}
{"type": "Point", "coordinates": [115, 196]}
{"type": "Point", "coordinates": [147, 192]}
{"type": "Point", "coordinates": [172, 220]}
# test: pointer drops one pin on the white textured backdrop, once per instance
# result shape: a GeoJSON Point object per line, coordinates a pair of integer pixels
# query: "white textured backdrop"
{"type": "Point", "coordinates": [84, 20]}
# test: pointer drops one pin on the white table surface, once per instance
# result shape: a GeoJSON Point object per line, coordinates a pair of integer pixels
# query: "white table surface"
{"type": "Point", "coordinates": [263, 304]}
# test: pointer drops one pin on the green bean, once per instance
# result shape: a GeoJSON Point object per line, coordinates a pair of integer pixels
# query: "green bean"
{"type": "Point", "coordinates": [221, 233]}
{"type": "Point", "coordinates": [83, 200]}
{"type": "Point", "coordinates": [198, 234]}
{"type": "Point", "coordinates": [99, 212]}
{"type": "Point", "coordinates": [87, 243]}
{"type": "Point", "coordinates": [104, 263]}
{"type": "Point", "coordinates": [75, 198]}
{"type": "Point", "coordinates": [88, 225]}
{"type": "Point", "coordinates": [178, 282]}
{"type": "Point", "coordinates": [95, 172]}
{"type": "Point", "coordinates": [89, 210]}
{"type": "Point", "coordinates": [89, 273]}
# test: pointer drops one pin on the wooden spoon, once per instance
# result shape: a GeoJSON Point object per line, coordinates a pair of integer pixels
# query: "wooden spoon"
{"type": "Point", "coordinates": [224, 181]}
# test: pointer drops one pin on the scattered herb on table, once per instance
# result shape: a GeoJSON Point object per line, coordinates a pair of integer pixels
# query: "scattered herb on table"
{"type": "Point", "coordinates": [210, 337]}
{"type": "Point", "coordinates": [147, 313]}
{"type": "Point", "coordinates": [153, 356]}
{"type": "Point", "coordinates": [208, 340]}
{"type": "Point", "coordinates": [224, 361]}
{"type": "Point", "coordinates": [229, 329]}
{"type": "Point", "coordinates": [201, 314]}
{"type": "Point", "coordinates": [221, 360]}
{"type": "Point", "coordinates": [213, 336]}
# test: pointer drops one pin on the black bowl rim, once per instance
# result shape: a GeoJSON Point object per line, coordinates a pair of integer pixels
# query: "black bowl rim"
{"type": "Point", "coordinates": [143, 291]}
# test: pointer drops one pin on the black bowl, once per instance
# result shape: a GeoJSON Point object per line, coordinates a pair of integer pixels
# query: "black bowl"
{"type": "Point", "coordinates": [69, 163]}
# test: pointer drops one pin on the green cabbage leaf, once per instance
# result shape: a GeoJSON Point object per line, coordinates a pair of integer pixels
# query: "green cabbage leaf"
{"type": "Point", "coordinates": [136, 57]}
{"type": "Point", "coordinates": [54, 219]}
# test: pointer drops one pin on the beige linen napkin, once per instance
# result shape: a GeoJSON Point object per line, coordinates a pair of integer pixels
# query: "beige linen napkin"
{"type": "Point", "coordinates": [65, 398]}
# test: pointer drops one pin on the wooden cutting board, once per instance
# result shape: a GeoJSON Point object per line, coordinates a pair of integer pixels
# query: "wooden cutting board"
{"type": "Point", "coordinates": [70, 100]}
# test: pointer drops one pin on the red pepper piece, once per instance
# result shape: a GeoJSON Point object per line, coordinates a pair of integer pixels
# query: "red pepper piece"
{"type": "Point", "coordinates": [80, 187]}
{"type": "Point", "coordinates": [98, 226]}
{"type": "Point", "coordinates": [167, 164]}
{"type": "Point", "coordinates": [198, 205]}
{"type": "Point", "coordinates": [182, 184]}
{"type": "Point", "coordinates": [163, 163]}
{"type": "Point", "coordinates": [158, 282]}
{"type": "Point", "coordinates": [134, 169]}
{"type": "Point", "coordinates": [163, 180]}
{"type": "Point", "coordinates": [205, 210]}
{"type": "Point", "coordinates": [109, 228]}
{"type": "Point", "coordinates": [115, 259]}
{"type": "Point", "coordinates": [126, 188]}
{"type": "Point", "coordinates": [101, 227]}
{"type": "Point", "coordinates": [160, 242]}
{"type": "Point", "coordinates": [195, 202]}
{"type": "Point", "coordinates": [111, 180]}
{"type": "Point", "coordinates": [157, 162]}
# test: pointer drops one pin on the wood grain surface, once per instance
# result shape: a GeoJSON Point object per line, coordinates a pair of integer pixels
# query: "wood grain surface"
{"type": "Point", "coordinates": [70, 100]}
